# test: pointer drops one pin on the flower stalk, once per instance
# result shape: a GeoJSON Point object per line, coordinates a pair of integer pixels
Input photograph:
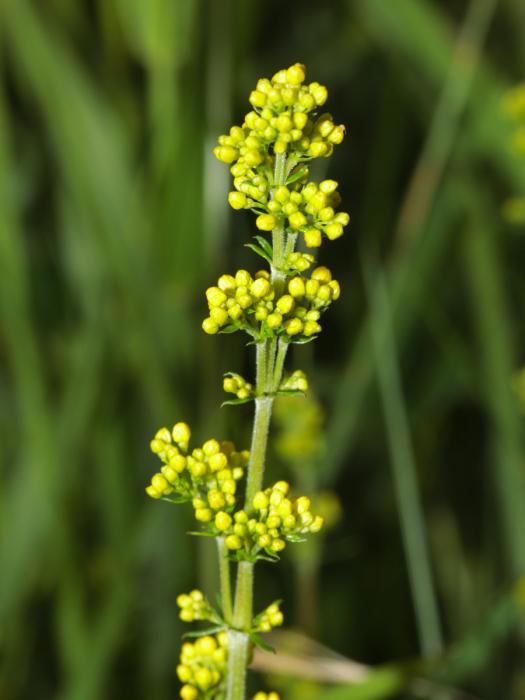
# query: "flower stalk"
{"type": "Point", "coordinates": [276, 308]}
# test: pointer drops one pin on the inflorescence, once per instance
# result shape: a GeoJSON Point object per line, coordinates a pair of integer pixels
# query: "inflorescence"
{"type": "Point", "coordinates": [285, 119]}
{"type": "Point", "coordinates": [251, 304]}
{"type": "Point", "coordinates": [268, 157]}
{"type": "Point", "coordinates": [208, 476]}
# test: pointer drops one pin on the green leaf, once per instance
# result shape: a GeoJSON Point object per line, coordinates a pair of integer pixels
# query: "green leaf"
{"type": "Point", "coordinates": [272, 558]}
{"type": "Point", "coordinates": [176, 499]}
{"type": "Point", "coordinates": [297, 175]}
{"type": "Point", "coordinates": [201, 533]}
{"type": "Point", "coordinates": [303, 341]}
{"type": "Point", "coordinates": [259, 251]}
{"type": "Point", "coordinates": [230, 328]}
{"type": "Point", "coordinates": [295, 538]}
{"type": "Point", "coordinates": [203, 632]}
{"type": "Point", "coordinates": [237, 402]}
{"type": "Point", "coordinates": [259, 641]}
{"type": "Point", "coordinates": [290, 392]}
{"type": "Point", "coordinates": [265, 245]}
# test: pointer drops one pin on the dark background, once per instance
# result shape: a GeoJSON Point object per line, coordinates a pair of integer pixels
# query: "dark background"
{"type": "Point", "coordinates": [113, 221]}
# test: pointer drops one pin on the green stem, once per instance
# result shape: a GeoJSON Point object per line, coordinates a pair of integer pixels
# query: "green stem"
{"type": "Point", "coordinates": [278, 234]}
{"type": "Point", "coordinates": [282, 349]}
{"type": "Point", "coordinates": [270, 362]}
{"type": "Point", "coordinates": [263, 413]}
{"type": "Point", "coordinates": [225, 580]}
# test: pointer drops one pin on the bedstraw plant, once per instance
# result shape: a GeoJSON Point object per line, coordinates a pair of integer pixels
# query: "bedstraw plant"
{"type": "Point", "coordinates": [268, 157]}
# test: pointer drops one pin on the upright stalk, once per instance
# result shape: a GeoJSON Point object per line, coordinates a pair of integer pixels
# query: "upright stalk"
{"type": "Point", "coordinates": [225, 579]}
{"type": "Point", "coordinates": [270, 364]}
{"type": "Point", "coordinates": [275, 309]}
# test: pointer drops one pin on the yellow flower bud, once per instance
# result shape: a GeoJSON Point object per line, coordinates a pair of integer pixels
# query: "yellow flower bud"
{"type": "Point", "coordinates": [178, 462]}
{"type": "Point", "coordinates": [274, 320]}
{"type": "Point", "coordinates": [296, 74]}
{"type": "Point", "coordinates": [211, 447]}
{"type": "Point", "coordinates": [203, 515]}
{"type": "Point", "coordinates": [282, 486]}
{"type": "Point", "coordinates": [322, 274]}
{"type": "Point", "coordinates": [170, 473]}
{"type": "Point", "coordinates": [313, 238]}
{"type": "Point", "coordinates": [218, 461]}
{"type": "Point", "coordinates": [218, 315]}
{"type": "Point", "coordinates": [260, 288]}
{"type": "Point", "coordinates": [337, 135]}
{"type": "Point", "coordinates": [307, 101]}
{"type": "Point", "coordinates": [216, 499]}
{"type": "Point", "coordinates": [235, 312]}
{"type": "Point", "coordinates": [312, 287]}
{"type": "Point", "coordinates": [297, 220]}
{"type": "Point", "coordinates": [184, 673]}
{"type": "Point", "coordinates": [227, 154]}
{"type": "Point", "coordinates": [317, 524]}
{"type": "Point", "coordinates": [152, 492]}
{"type": "Point", "coordinates": [237, 200]}
{"type": "Point", "coordinates": [300, 119]}
{"type": "Point", "coordinates": [223, 521]}
{"type": "Point", "coordinates": [264, 541]}
{"type": "Point", "coordinates": [181, 433]}
{"type": "Point", "coordinates": [318, 149]}
{"type": "Point", "coordinates": [266, 222]}
{"type": "Point", "coordinates": [160, 484]}
{"type": "Point", "coordinates": [319, 93]}
{"type": "Point", "coordinates": [285, 304]}
{"type": "Point", "coordinates": [215, 296]}
{"type": "Point", "coordinates": [198, 469]}
{"type": "Point", "coordinates": [209, 326]}
{"type": "Point", "coordinates": [233, 542]}
{"type": "Point", "coordinates": [188, 692]}
{"type": "Point", "coordinates": [310, 328]}
{"type": "Point", "coordinates": [294, 326]}
{"type": "Point", "coordinates": [260, 501]}
{"type": "Point", "coordinates": [226, 283]}
{"type": "Point", "coordinates": [336, 290]}
{"type": "Point", "coordinates": [296, 287]}
{"type": "Point", "coordinates": [303, 504]}
{"type": "Point", "coordinates": [203, 678]}
{"type": "Point", "coordinates": [334, 231]}
{"type": "Point", "coordinates": [278, 545]}
{"type": "Point", "coordinates": [253, 158]}
{"type": "Point", "coordinates": [257, 99]}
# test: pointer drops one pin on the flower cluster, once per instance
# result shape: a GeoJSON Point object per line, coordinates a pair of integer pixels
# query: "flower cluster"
{"type": "Point", "coordinates": [297, 381]}
{"type": "Point", "coordinates": [276, 520]}
{"type": "Point", "coordinates": [284, 121]}
{"type": "Point", "coordinates": [251, 304]}
{"type": "Point", "coordinates": [311, 210]}
{"type": "Point", "coordinates": [270, 618]}
{"type": "Point", "coordinates": [235, 384]}
{"type": "Point", "coordinates": [299, 262]}
{"type": "Point", "coordinates": [284, 117]}
{"type": "Point", "coordinates": [202, 667]}
{"type": "Point", "coordinates": [194, 606]}
{"type": "Point", "coordinates": [207, 476]}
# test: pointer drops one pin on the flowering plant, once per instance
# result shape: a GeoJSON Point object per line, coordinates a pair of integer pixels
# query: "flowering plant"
{"type": "Point", "coordinates": [276, 307]}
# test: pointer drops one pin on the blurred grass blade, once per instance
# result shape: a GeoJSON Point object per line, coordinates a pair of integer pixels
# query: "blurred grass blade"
{"type": "Point", "coordinates": [403, 463]}
{"type": "Point", "coordinates": [485, 275]}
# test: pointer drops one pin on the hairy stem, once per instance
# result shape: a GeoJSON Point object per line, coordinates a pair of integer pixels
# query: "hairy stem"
{"type": "Point", "coordinates": [225, 580]}
{"type": "Point", "coordinates": [270, 358]}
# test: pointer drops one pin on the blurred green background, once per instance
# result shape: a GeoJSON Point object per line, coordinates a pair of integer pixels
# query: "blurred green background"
{"type": "Point", "coordinates": [113, 220]}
